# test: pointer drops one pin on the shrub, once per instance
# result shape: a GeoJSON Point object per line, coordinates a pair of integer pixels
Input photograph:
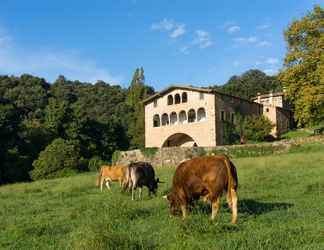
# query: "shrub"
{"type": "Point", "coordinates": [95, 163]}
{"type": "Point", "coordinates": [60, 158]}
{"type": "Point", "coordinates": [149, 152]}
{"type": "Point", "coordinates": [115, 157]}
{"type": "Point", "coordinates": [256, 128]}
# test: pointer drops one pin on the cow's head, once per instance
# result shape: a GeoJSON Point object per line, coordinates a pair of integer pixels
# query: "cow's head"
{"type": "Point", "coordinates": [154, 186]}
{"type": "Point", "coordinates": [173, 202]}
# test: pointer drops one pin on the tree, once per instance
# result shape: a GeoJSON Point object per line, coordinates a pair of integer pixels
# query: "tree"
{"type": "Point", "coordinates": [303, 75]}
{"type": "Point", "coordinates": [60, 158]}
{"type": "Point", "coordinates": [137, 91]}
{"type": "Point", "coordinates": [249, 84]}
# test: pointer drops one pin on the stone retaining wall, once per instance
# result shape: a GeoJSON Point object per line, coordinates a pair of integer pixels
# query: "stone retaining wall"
{"type": "Point", "coordinates": [172, 156]}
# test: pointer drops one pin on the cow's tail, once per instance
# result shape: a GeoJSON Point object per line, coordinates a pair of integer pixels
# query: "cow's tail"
{"type": "Point", "coordinates": [99, 177]}
{"type": "Point", "coordinates": [232, 175]}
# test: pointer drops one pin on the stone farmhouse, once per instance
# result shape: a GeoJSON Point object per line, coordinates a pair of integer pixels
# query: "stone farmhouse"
{"type": "Point", "coordinates": [189, 116]}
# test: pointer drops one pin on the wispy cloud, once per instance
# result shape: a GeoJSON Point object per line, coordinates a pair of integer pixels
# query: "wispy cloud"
{"type": "Point", "coordinates": [246, 40]}
{"type": "Point", "coordinates": [236, 63]}
{"type": "Point", "coordinates": [233, 29]}
{"type": "Point", "coordinates": [49, 63]}
{"type": "Point", "coordinates": [202, 39]}
{"type": "Point", "coordinates": [175, 29]}
{"type": "Point", "coordinates": [263, 26]}
{"type": "Point", "coordinates": [264, 43]}
{"type": "Point", "coordinates": [270, 71]}
{"type": "Point", "coordinates": [185, 50]}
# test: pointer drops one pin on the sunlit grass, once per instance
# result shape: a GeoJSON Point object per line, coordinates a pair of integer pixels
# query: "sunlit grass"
{"type": "Point", "coordinates": [280, 207]}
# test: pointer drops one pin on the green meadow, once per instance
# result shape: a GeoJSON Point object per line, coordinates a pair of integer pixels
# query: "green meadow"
{"type": "Point", "coordinates": [281, 206]}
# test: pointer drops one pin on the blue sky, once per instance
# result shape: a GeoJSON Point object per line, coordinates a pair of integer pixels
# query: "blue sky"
{"type": "Point", "coordinates": [188, 42]}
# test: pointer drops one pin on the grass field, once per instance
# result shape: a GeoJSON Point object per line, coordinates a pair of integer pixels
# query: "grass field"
{"type": "Point", "coordinates": [281, 206]}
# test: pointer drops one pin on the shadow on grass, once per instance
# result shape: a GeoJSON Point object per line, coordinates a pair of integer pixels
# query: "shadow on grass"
{"type": "Point", "coordinates": [254, 207]}
{"type": "Point", "coordinates": [247, 206]}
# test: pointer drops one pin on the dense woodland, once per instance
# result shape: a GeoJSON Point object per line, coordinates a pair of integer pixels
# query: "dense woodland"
{"type": "Point", "coordinates": [61, 128]}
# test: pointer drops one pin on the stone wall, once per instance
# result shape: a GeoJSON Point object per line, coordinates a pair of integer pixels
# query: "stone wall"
{"type": "Point", "coordinates": [172, 156]}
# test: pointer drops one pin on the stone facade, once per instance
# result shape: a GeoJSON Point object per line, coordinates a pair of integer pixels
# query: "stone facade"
{"type": "Point", "coordinates": [186, 116]}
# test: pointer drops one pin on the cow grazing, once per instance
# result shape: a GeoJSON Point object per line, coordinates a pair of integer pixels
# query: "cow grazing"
{"type": "Point", "coordinates": [109, 174]}
{"type": "Point", "coordinates": [205, 177]}
{"type": "Point", "coordinates": [139, 174]}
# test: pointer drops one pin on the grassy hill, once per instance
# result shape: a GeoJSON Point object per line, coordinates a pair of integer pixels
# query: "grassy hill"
{"type": "Point", "coordinates": [281, 206]}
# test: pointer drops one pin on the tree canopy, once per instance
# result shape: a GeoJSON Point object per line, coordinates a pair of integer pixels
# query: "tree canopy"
{"type": "Point", "coordinates": [303, 75]}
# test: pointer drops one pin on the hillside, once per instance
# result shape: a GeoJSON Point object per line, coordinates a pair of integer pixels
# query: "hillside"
{"type": "Point", "coordinates": [280, 207]}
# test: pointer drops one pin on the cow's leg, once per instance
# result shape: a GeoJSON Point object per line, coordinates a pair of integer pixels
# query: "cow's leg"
{"type": "Point", "coordinates": [184, 211]}
{"type": "Point", "coordinates": [234, 206]}
{"type": "Point", "coordinates": [140, 192]}
{"type": "Point", "coordinates": [229, 199]}
{"type": "Point", "coordinates": [215, 207]}
{"type": "Point", "coordinates": [107, 184]}
{"type": "Point", "coordinates": [101, 183]}
{"type": "Point", "coordinates": [133, 193]}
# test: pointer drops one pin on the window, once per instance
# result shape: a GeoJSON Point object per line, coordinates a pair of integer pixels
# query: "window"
{"type": "Point", "coordinates": [156, 121]}
{"type": "Point", "coordinates": [191, 115]}
{"type": "Point", "coordinates": [165, 119]}
{"type": "Point", "coordinates": [201, 115]}
{"type": "Point", "coordinates": [201, 96]}
{"type": "Point", "coordinates": [177, 99]}
{"type": "Point", "coordinates": [184, 97]}
{"type": "Point", "coordinates": [155, 103]}
{"type": "Point", "coordinates": [173, 118]}
{"type": "Point", "coordinates": [267, 110]}
{"type": "Point", "coordinates": [232, 118]}
{"type": "Point", "coordinates": [182, 117]}
{"type": "Point", "coordinates": [223, 115]}
{"type": "Point", "coordinates": [170, 99]}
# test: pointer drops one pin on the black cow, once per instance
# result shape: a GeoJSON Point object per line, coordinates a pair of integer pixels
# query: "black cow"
{"type": "Point", "coordinates": [139, 174]}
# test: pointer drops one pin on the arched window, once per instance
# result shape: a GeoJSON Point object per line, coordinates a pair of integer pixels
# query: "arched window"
{"type": "Point", "coordinates": [184, 97]}
{"type": "Point", "coordinates": [191, 115]}
{"type": "Point", "coordinates": [177, 99]}
{"type": "Point", "coordinates": [165, 119]}
{"type": "Point", "coordinates": [173, 118]}
{"type": "Point", "coordinates": [170, 99]}
{"type": "Point", "coordinates": [201, 115]}
{"type": "Point", "coordinates": [182, 117]}
{"type": "Point", "coordinates": [156, 121]}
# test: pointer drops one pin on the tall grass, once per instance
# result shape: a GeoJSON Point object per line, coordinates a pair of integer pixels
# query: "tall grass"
{"type": "Point", "coordinates": [280, 207]}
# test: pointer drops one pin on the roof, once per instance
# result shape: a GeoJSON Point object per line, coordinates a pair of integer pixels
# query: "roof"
{"type": "Point", "coordinates": [267, 95]}
{"type": "Point", "coordinates": [172, 87]}
{"type": "Point", "coordinates": [190, 88]}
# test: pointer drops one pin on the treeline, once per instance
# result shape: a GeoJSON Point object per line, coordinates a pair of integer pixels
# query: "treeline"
{"type": "Point", "coordinates": [67, 124]}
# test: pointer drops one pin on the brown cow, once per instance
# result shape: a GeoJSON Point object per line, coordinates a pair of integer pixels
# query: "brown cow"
{"type": "Point", "coordinates": [109, 174]}
{"type": "Point", "coordinates": [205, 177]}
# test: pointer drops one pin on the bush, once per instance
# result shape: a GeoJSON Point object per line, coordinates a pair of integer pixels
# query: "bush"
{"type": "Point", "coordinates": [115, 156]}
{"type": "Point", "coordinates": [149, 152]}
{"type": "Point", "coordinates": [60, 158]}
{"type": "Point", "coordinates": [256, 128]}
{"type": "Point", "coordinates": [95, 163]}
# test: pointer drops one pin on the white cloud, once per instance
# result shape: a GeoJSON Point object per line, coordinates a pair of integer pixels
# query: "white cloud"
{"type": "Point", "coordinates": [175, 29]}
{"type": "Point", "coordinates": [246, 40]}
{"type": "Point", "coordinates": [264, 44]}
{"type": "Point", "coordinates": [263, 26]}
{"type": "Point", "coordinates": [272, 60]}
{"type": "Point", "coordinates": [202, 39]}
{"type": "Point", "coordinates": [233, 29]}
{"type": "Point", "coordinates": [185, 50]}
{"type": "Point", "coordinates": [50, 63]}
{"type": "Point", "coordinates": [178, 31]}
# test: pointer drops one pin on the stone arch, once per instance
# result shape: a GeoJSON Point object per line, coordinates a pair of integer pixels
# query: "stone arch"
{"type": "Point", "coordinates": [201, 115]}
{"type": "Point", "coordinates": [184, 97]}
{"type": "Point", "coordinates": [173, 118]}
{"type": "Point", "coordinates": [179, 140]}
{"type": "Point", "coordinates": [191, 115]}
{"type": "Point", "coordinates": [156, 121]}
{"type": "Point", "coordinates": [170, 99]}
{"type": "Point", "coordinates": [182, 117]}
{"type": "Point", "coordinates": [165, 119]}
{"type": "Point", "coordinates": [177, 99]}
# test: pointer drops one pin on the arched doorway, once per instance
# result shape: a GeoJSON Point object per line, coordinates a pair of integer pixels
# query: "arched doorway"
{"type": "Point", "coordinates": [179, 140]}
